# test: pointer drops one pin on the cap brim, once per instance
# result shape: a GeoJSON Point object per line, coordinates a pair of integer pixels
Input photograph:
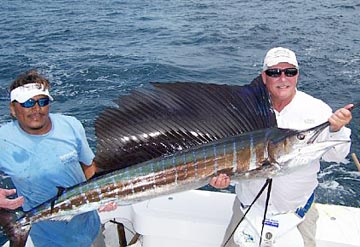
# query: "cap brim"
{"type": "Point", "coordinates": [23, 93]}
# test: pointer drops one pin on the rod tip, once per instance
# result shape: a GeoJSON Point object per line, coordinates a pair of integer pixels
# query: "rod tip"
{"type": "Point", "coordinates": [356, 161]}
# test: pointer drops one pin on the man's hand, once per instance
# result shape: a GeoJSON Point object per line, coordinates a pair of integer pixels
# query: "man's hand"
{"type": "Point", "coordinates": [108, 207]}
{"type": "Point", "coordinates": [10, 203]}
{"type": "Point", "coordinates": [340, 118]}
{"type": "Point", "coordinates": [220, 182]}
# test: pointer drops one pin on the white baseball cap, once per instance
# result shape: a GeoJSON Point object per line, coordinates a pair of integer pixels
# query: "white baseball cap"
{"type": "Point", "coordinates": [27, 91]}
{"type": "Point", "coordinates": [279, 55]}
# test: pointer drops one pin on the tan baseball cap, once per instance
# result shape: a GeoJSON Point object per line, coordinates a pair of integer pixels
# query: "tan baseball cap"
{"type": "Point", "coordinates": [279, 55]}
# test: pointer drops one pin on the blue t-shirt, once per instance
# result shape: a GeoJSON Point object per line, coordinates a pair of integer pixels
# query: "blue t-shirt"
{"type": "Point", "coordinates": [38, 164]}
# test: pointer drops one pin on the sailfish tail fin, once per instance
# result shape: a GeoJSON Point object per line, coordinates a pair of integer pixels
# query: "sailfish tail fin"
{"type": "Point", "coordinates": [164, 118]}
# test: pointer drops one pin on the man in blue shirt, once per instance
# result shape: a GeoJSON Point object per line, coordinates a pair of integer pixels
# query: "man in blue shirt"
{"type": "Point", "coordinates": [41, 152]}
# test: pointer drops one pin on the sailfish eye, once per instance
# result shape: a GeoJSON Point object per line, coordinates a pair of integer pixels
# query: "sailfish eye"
{"type": "Point", "coordinates": [301, 136]}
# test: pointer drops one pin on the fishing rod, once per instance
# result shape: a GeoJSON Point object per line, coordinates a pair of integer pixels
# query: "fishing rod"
{"type": "Point", "coordinates": [356, 161]}
{"type": "Point", "coordinates": [327, 123]}
{"type": "Point", "coordinates": [354, 106]}
{"type": "Point", "coordinates": [353, 155]}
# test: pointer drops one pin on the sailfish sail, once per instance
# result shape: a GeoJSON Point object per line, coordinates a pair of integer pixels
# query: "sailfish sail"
{"type": "Point", "coordinates": [169, 117]}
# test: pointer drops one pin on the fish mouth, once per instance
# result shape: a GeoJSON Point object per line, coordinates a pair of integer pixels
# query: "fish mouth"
{"type": "Point", "coordinates": [322, 147]}
{"type": "Point", "coordinates": [304, 155]}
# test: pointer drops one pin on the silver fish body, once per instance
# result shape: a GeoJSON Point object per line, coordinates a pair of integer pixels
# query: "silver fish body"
{"type": "Point", "coordinates": [263, 153]}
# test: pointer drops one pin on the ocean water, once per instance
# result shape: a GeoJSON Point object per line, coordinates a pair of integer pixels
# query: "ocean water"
{"type": "Point", "coordinates": [93, 51]}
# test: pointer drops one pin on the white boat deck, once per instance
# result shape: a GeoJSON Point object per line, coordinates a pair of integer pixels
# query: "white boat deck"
{"type": "Point", "coordinates": [199, 218]}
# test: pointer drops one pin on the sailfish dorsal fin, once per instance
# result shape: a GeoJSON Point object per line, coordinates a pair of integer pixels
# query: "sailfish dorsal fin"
{"type": "Point", "coordinates": [167, 117]}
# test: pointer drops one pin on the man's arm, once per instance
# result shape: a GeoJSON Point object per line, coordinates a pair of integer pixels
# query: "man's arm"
{"type": "Point", "coordinates": [89, 171]}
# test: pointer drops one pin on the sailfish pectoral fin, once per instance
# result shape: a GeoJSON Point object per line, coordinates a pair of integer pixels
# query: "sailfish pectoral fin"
{"type": "Point", "coordinates": [66, 218]}
{"type": "Point", "coordinates": [59, 193]}
{"type": "Point", "coordinates": [267, 169]}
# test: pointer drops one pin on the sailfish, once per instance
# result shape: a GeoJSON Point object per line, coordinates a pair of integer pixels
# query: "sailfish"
{"type": "Point", "coordinates": [165, 138]}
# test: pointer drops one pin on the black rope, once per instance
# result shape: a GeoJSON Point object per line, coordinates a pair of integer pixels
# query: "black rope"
{"type": "Point", "coordinates": [267, 184]}
{"type": "Point", "coordinates": [269, 181]}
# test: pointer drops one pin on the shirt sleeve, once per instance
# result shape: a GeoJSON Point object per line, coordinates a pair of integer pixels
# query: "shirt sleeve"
{"type": "Point", "coordinates": [86, 155]}
{"type": "Point", "coordinates": [339, 152]}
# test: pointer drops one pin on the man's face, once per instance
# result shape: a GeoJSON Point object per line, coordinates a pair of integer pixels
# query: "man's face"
{"type": "Point", "coordinates": [33, 120]}
{"type": "Point", "coordinates": [282, 87]}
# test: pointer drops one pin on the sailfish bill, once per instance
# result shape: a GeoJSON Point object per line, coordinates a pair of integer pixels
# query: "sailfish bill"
{"type": "Point", "coordinates": [173, 137]}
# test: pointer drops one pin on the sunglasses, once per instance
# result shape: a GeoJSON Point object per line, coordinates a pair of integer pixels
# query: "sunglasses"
{"type": "Point", "coordinates": [289, 72]}
{"type": "Point", "coordinates": [31, 102]}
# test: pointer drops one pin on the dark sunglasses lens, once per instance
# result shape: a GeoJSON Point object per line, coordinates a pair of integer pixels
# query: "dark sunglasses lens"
{"type": "Point", "coordinates": [43, 102]}
{"type": "Point", "coordinates": [291, 72]}
{"type": "Point", "coordinates": [31, 103]}
{"type": "Point", "coordinates": [273, 72]}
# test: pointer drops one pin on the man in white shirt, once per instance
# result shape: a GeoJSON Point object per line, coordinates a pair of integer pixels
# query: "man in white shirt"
{"type": "Point", "coordinates": [294, 110]}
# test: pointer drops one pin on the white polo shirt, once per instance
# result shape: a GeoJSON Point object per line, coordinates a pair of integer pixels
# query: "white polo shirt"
{"type": "Point", "coordinates": [293, 190]}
